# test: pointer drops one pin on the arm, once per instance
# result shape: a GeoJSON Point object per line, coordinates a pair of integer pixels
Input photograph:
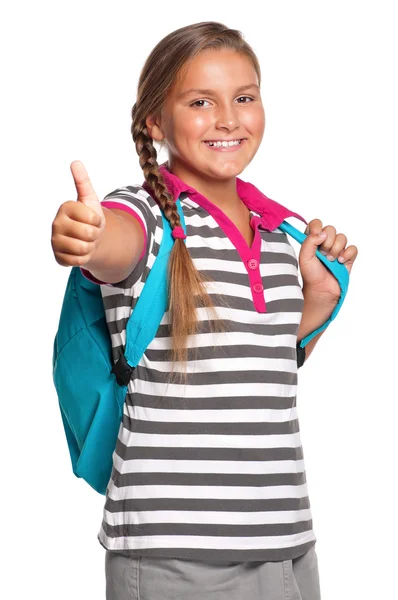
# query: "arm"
{"type": "Point", "coordinates": [316, 311]}
{"type": "Point", "coordinates": [120, 247]}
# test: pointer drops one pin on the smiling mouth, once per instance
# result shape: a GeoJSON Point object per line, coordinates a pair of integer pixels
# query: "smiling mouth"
{"type": "Point", "coordinates": [224, 143]}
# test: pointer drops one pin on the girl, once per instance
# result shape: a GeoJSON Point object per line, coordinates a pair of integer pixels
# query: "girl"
{"type": "Point", "coordinates": [208, 495]}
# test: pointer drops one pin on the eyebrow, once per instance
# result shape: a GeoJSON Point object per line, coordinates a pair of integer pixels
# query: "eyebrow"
{"type": "Point", "coordinates": [242, 88]}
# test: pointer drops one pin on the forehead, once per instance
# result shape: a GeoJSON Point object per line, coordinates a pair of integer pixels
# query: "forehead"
{"type": "Point", "coordinates": [215, 69]}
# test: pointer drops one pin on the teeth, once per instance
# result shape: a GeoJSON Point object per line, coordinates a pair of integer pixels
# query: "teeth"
{"type": "Point", "coordinates": [225, 144]}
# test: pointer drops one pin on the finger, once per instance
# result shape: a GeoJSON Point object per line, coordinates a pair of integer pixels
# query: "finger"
{"type": "Point", "coordinates": [70, 260]}
{"type": "Point", "coordinates": [73, 246]}
{"type": "Point", "coordinates": [84, 188]}
{"type": "Point", "coordinates": [315, 233]}
{"type": "Point", "coordinates": [80, 230]}
{"type": "Point", "coordinates": [348, 255]}
{"type": "Point", "coordinates": [77, 211]}
{"type": "Point", "coordinates": [315, 237]}
{"type": "Point", "coordinates": [329, 240]}
{"type": "Point", "coordinates": [314, 226]}
{"type": "Point", "coordinates": [337, 247]}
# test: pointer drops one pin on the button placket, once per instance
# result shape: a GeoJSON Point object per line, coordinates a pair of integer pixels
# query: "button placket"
{"type": "Point", "coordinates": [253, 269]}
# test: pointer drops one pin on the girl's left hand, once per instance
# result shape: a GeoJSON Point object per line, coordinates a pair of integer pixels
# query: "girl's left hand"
{"type": "Point", "coordinates": [317, 278]}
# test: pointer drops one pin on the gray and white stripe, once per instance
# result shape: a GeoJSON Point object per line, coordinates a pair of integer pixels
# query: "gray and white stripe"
{"type": "Point", "coordinates": [213, 468]}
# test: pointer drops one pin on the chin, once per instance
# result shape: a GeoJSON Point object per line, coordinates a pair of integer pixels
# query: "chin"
{"type": "Point", "coordinates": [229, 170]}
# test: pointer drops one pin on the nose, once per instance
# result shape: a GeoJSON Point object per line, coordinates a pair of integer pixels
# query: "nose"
{"type": "Point", "coordinates": [227, 117]}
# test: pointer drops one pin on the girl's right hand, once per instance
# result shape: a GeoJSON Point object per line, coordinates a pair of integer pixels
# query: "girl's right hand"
{"type": "Point", "coordinates": [78, 226]}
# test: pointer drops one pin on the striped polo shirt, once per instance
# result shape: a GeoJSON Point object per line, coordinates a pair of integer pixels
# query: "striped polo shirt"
{"type": "Point", "coordinates": [212, 469]}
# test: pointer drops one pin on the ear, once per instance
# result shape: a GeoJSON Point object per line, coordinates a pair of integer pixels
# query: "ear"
{"type": "Point", "coordinates": [154, 128]}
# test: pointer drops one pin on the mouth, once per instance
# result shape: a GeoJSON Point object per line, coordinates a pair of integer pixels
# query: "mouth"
{"type": "Point", "coordinates": [224, 143]}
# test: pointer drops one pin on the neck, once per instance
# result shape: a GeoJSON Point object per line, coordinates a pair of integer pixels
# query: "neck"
{"type": "Point", "coordinates": [221, 192]}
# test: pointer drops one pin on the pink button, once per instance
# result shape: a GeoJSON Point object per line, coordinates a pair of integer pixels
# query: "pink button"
{"type": "Point", "coordinates": [258, 287]}
{"type": "Point", "coordinates": [252, 263]}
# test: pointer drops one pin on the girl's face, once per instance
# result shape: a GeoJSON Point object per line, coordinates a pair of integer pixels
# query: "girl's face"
{"type": "Point", "coordinates": [216, 98]}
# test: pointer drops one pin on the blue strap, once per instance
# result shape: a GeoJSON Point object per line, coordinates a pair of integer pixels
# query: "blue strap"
{"type": "Point", "coordinates": [152, 303]}
{"type": "Point", "coordinates": [339, 270]}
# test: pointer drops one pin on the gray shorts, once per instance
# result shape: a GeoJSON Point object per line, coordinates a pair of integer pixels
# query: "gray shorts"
{"type": "Point", "coordinates": [153, 578]}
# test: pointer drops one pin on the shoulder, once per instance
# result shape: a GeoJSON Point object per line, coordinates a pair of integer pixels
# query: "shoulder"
{"type": "Point", "coordinates": [135, 194]}
{"type": "Point", "coordinates": [136, 201]}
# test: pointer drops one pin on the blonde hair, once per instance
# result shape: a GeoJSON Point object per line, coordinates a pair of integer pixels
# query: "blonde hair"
{"type": "Point", "coordinates": [159, 73]}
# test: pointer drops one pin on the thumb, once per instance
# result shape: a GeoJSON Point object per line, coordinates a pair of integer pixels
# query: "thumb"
{"type": "Point", "coordinates": [312, 241]}
{"type": "Point", "coordinates": [84, 188]}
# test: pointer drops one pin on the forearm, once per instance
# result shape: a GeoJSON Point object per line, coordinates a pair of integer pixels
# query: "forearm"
{"type": "Point", "coordinates": [316, 311]}
{"type": "Point", "coordinates": [119, 249]}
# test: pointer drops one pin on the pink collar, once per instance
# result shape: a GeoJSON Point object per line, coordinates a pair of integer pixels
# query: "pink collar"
{"type": "Point", "coordinates": [272, 213]}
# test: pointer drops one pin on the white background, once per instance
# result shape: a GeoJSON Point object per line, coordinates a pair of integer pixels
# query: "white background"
{"type": "Point", "coordinates": [329, 87]}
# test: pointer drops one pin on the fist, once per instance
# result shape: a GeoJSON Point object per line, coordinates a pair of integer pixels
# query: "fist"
{"type": "Point", "coordinates": [318, 280]}
{"type": "Point", "coordinates": [78, 225]}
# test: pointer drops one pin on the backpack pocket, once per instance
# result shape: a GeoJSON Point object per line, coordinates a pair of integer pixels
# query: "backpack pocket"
{"type": "Point", "coordinates": [91, 403]}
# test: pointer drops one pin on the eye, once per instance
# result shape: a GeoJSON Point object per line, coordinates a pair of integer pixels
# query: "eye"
{"type": "Point", "coordinates": [247, 97]}
{"type": "Point", "coordinates": [196, 102]}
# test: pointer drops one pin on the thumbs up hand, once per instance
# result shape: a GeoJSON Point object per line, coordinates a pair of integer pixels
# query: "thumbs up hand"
{"type": "Point", "coordinates": [78, 226]}
{"type": "Point", "coordinates": [317, 279]}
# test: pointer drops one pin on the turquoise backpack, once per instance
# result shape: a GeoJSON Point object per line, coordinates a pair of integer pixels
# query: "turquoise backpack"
{"type": "Point", "coordinates": [91, 389]}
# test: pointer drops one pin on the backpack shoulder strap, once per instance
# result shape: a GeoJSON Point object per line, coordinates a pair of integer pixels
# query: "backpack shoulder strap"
{"type": "Point", "coordinates": [339, 270]}
{"type": "Point", "coordinates": [152, 303]}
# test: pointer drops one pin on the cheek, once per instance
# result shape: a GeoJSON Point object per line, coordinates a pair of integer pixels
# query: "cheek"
{"type": "Point", "coordinates": [255, 120]}
{"type": "Point", "coordinates": [193, 126]}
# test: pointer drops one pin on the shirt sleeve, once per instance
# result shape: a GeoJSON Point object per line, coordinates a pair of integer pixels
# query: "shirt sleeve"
{"type": "Point", "coordinates": [136, 201]}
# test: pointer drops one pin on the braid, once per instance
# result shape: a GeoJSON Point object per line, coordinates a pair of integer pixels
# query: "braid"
{"type": "Point", "coordinates": [185, 284]}
{"type": "Point", "coordinates": [148, 162]}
